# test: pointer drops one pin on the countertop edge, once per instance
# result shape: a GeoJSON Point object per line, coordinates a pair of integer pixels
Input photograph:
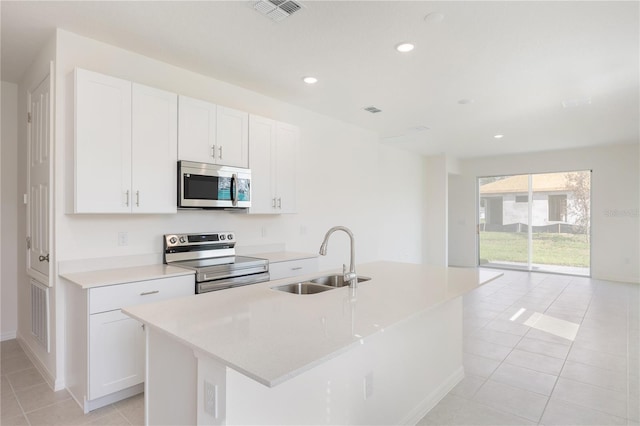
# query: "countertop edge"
{"type": "Point", "coordinates": [119, 276]}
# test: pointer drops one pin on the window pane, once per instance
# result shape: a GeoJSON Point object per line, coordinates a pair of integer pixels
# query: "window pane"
{"type": "Point", "coordinates": [561, 203]}
{"type": "Point", "coordinates": [559, 209]}
{"type": "Point", "coordinates": [503, 221]}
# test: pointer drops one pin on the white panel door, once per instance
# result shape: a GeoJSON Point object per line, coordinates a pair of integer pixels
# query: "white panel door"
{"type": "Point", "coordinates": [39, 135]}
{"type": "Point", "coordinates": [262, 134]}
{"type": "Point", "coordinates": [196, 130]}
{"type": "Point", "coordinates": [116, 353]}
{"type": "Point", "coordinates": [287, 139]}
{"type": "Point", "coordinates": [232, 137]}
{"type": "Point", "coordinates": [154, 145]}
{"type": "Point", "coordinates": [102, 144]}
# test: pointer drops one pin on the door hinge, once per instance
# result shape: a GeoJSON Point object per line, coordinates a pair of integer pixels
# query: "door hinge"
{"type": "Point", "coordinates": [29, 117]}
{"type": "Point", "coordinates": [28, 243]}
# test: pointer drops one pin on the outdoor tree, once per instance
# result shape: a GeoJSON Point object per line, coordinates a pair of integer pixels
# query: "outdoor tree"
{"type": "Point", "coordinates": [580, 184]}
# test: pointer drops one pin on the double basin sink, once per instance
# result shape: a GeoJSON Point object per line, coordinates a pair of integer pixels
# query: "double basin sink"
{"type": "Point", "coordinates": [317, 285]}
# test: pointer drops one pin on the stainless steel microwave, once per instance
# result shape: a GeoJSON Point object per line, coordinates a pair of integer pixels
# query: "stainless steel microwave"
{"type": "Point", "coordinates": [210, 186]}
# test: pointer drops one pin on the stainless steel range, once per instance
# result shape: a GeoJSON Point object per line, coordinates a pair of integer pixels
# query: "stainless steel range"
{"type": "Point", "coordinates": [213, 257]}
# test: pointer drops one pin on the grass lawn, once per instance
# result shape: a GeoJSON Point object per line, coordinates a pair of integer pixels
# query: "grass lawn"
{"type": "Point", "coordinates": [548, 249]}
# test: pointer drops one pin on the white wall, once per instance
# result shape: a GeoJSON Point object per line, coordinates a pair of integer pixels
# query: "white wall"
{"type": "Point", "coordinates": [435, 210]}
{"type": "Point", "coordinates": [343, 177]}
{"type": "Point", "coordinates": [615, 202]}
{"type": "Point", "coordinates": [340, 178]}
{"type": "Point", "coordinates": [9, 212]}
{"type": "Point", "coordinates": [461, 237]}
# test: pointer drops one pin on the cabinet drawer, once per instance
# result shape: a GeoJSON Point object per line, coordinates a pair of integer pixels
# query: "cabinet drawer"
{"type": "Point", "coordinates": [108, 298]}
{"type": "Point", "coordinates": [292, 268]}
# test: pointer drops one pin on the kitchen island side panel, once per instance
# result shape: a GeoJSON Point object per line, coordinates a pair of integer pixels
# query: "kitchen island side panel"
{"type": "Point", "coordinates": [393, 377]}
{"type": "Point", "coordinates": [170, 382]}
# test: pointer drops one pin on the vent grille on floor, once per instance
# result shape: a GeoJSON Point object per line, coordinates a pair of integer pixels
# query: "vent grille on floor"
{"type": "Point", "coordinates": [372, 109]}
{"type": "Point", "coordinates": [40, 313]}
{"type": "Point", "coordinates": [277, 10]}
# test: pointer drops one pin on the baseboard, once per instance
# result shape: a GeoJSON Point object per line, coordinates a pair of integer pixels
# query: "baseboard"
{"type": "Point", "coordinates": [431, 400]}
{"type": "Point", "coordinates": [7, 335]}
{"type": "Point", "coordinates": [112, 397]}
{"type": "Point", "coordinates": [56, 385]}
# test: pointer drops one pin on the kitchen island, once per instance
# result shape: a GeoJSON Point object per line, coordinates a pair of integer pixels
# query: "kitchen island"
{"type": "Point", "coordinates": [383, 353]}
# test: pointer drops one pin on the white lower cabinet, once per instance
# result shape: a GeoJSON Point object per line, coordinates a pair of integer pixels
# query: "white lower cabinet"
{"type": "Point", "coordinates": [292, 268]}
{"type": "Point", "coordinates": [106, 348]}
{"type": "Point", "coordinates": [116, 353]}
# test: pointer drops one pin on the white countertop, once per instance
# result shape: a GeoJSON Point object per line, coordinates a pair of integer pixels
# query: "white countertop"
{"type": "Point", "coordinates": [271, 335]}
{"type": "Point", "coordinates": [283, 256]}
{"type": "Point", "coordinates": [114, 276]}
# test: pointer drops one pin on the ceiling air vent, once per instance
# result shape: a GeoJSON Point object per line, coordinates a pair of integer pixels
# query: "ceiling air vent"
{"type": "Point", "coordinates": [277, 10]}
{"type": "Point", "coordinates": [372, 109]}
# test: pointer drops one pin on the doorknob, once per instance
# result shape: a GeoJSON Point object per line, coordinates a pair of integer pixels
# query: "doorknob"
{"type": "Point", "coordinates": [43, 258]}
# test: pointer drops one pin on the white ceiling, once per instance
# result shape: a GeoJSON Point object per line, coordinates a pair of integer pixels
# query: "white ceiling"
{"type": "Point", "coordinates": [517, 60]}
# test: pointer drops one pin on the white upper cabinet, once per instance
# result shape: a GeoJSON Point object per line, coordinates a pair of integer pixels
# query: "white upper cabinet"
{"type": "Point", "coordinates": [125, 146]}
{"type": "Point", "coordinates": [196, 130]}
{"type": "Point", "coordinates": [210, 133]}
{"type": "Point", "coordinates": [273, 153]}
{"type": "Point", "coordinates": [102, 143]}
{"type": "Point", "coordinates": [262, 135]}
{"type": "Point", "coordinates": [154, 150]}
{"type": "Point", "coordinates": [232, 137]}
{"type": "Point", "coordinates": [287, 140]}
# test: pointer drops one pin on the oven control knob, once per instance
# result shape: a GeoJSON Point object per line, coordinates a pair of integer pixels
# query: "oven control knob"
{"type": "Point", "coordinates": [183, 240]}
{"type": "Point", "coordinates": [230, 237]}
{"type": "Point", "coordinates": [173, 240]}
{"type": "Point", "coordinates": [222, 237]}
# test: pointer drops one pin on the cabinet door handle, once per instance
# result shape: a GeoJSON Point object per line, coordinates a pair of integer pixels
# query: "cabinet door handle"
{"type": "Point", "coordinates": [297, 268]}
{"type": "Point", "coordinates": [43, 258]}
{"type": "Point", "coordinates": [220, 152]}
{"type": "Point", "coordinates": [143, 327]}
{"type": "Point", "coordinates": [146, 293]}
{"type": "Point", "coordinates": [273, 203]}
{"type": "Point", "coordinates": [137, 198]}
{"type": "Point", "coordinates": [279, 203]}
{"type": "Point", "coordinates": [126, 203]}
{"type": "Point", "coordinates": [213, 151]}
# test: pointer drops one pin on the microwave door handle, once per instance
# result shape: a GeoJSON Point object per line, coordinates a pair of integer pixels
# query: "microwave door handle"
{"type": "Point", "coordinates": [234, 189]}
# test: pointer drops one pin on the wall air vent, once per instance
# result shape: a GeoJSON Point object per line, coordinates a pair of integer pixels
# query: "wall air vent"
{"type": "Point", "coordinates": [277, 10]}
{"type": "Point", "coordinates": [372, 109]}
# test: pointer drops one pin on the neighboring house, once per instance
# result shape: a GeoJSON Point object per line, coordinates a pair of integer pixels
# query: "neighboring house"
{"type": "Point", "coordinates": [506, 201]}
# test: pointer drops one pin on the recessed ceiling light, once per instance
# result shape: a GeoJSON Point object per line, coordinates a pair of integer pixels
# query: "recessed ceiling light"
{"type": "Point", "coordinates": [498, 136]}
{"type": "Point", "coordinates": [435, 17]}
{"type": "Point", "coordinates": [465, 101]}
{"type": "Point", "coordinates": [310, 80]}
{"type": "Point", "coordinates": [404, 47]}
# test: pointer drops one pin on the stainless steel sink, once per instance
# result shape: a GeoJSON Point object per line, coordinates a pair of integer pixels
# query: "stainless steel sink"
{"type": "Point", "coordinates": [303, 288]}
{"type": "Point", "coordinates": [336, 280]}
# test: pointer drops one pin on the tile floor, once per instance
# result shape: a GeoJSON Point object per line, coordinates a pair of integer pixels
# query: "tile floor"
{"type": "Point", "coordinates": [538, 349]}
{"type": "Point", "coordinates": [550, 350]}
{"type": "Point", "coordinates": [26, 399]}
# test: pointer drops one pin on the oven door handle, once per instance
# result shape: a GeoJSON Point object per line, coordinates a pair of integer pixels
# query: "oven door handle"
{"type": "Point", "coordinates": [234, 190]}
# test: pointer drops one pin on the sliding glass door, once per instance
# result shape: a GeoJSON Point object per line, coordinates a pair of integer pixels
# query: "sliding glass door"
{"type": "Point", "coordinates": [535, 222]}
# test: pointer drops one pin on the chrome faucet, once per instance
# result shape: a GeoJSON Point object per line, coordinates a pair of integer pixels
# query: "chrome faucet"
{"type": "Point", "coordinates": [350, 276]}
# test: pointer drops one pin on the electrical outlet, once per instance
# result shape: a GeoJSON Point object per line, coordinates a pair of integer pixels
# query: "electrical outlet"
{"type": "Point", "coordinates": [211, 399]}
{"type": "Point", "coordinates": [368, 385]}
{"type": "Point", "coordinates": [123, 238]}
